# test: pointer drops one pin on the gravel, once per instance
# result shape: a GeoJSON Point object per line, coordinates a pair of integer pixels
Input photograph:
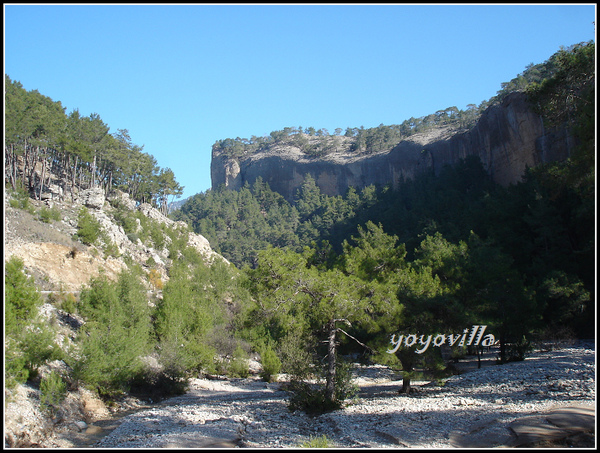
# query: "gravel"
{"type": "Point", "coordinates": [481, 403]}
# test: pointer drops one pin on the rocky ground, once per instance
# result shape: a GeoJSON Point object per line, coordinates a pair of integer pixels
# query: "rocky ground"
{"type": "Point", "coordinates": [477, 409]}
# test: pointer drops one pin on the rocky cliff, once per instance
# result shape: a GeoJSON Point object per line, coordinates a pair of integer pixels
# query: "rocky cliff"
{"type": "Point", "coordinates": [508, 138]}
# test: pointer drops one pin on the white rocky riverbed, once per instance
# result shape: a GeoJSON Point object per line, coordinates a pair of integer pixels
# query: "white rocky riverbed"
{"type": "Point", "coordinates": [478, 405]}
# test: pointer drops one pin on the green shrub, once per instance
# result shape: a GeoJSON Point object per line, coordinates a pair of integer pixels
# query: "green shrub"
{"type": "Point", "coordinates": [22, 298]}
{"type": "Point", "coordinates": [47, 215]}
{"type": "Point", "coordinates": [157, 235]}
{"type": "Point", "coordinates": [28, 343]}
{"type": "Point", "coordinates": [15, 366]}
{"type": "Point", "coordinates": [53, 391]}
{"type": "Point", "coordinates": [516, 352]}
{"type": "Point", "coordinates": [311, 398]}
{"type": "Point", "coordinates": [21, 199]}
{"type": "Point", "coordinates": [317, 442]}
{"type": "Point", "coordinates": [38, 346]}
{"type": "Point", "coordinates": [69, 303]}
{"type": "Point", "coordinates": [124, 218]}
{"type": "Point", "coordinates": [271, 365]}
{"type": "Point", "coordinates": [238, 366]}
{"type": "Point", "coordinates": [116, 334]}
{"type": "Point", "coordinates": [133, 237]}
{"type": "Point", "coordinates": [111, 249]}
{"type": "Point", "coordinates": [88, 228]}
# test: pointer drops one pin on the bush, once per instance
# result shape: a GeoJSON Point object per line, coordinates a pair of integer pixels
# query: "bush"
{"type": "Point", "coordinates": [21, 296]}
{"type": "Point", "coordinates": [516, 352]}
{"type": "Point", "coordinates": [317, 442]}
{"type": "Point", "coordinates": [133, 237]}
{"type": "Point", "coordinates": [116, 334]}
{"type": "Point", "coordinates": [29, 343]}
{"type": "Point", "coordinates": [238, 366]}
{"type": "Point", "coordinates": [53, 390]}
{"type": "Point", "coordinates": [154, 279]}
{"type": "Point", "coordinates": [111, 249]}
{"type": "Point", "coordinates": [295, 360]}
{"type": "Point", "coordinates": [47, 215]}
{"type": "Point", "coordinates": [126, 219]}
{"type": "Point", "coordinates": [69, 303]}
{"type": "Point", "coordinates": [88, 228]}
{"type": "Point", "coordinates": [271, 365]}
{"type": "Point", "coordinates": [157, 235]}
{"type": "Point", "coordinates": [310, 398]}
{"type": "Point", "coordinates": [15, 366]}
{"type": "Point", "coordinates": [161, 379]}
{"type": "Point", "coordinates": [21, 199]}
{"type": "Point", "coordinates": [38, 346]}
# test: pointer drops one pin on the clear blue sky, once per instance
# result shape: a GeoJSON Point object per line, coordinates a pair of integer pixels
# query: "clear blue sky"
{"type": "Point", "coordinates": [180, 77]}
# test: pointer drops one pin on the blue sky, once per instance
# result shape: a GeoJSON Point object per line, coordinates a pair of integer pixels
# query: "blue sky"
{"type": "Point", "coordinates": [180, 77]}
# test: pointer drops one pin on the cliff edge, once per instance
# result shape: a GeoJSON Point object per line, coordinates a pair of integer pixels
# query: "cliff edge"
{"type": "Point", "coordinates": [508, 138]}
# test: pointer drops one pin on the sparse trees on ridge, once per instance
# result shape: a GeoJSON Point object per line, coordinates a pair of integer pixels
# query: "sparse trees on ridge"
{"type": "Point", "coordinates": [41, 139]}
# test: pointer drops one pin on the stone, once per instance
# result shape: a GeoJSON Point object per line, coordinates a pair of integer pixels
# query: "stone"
{"type": "Point", "coordinates": [81, 425]}
{"type": "Point", "coordinates": [576, 418]}
{"type": "Point", "coordinates": [92, 198]}
{"type": "Point", "coordinates": [122, 199]}
{"type": "Point", "coordinates": [530, 430]}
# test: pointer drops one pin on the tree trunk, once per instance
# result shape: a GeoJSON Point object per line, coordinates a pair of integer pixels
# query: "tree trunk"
{"type": "Point", "coordinates": [93, 183]}
{"type": "Point", "coordinates": [42, 178]}
{"type": "Point", "coordinates": [405, 382]}
{"type": "Point", "coordinates": [73, 179]}
{"type": "Point", "coordinates": [330, 385]}
{"type": "Point", "coordinates": [406, 357]}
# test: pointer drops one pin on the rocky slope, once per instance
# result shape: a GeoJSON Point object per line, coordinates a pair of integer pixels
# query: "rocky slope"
{"type": "Point", "coordinates": [46, 248]}
{"type": "Point", "coordinates": [60, 264]}
{"type": "Point", "coordinates": [508, 138]}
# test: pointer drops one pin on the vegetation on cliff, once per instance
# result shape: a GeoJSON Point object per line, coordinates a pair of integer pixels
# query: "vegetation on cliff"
{"type": "Point", "coordinates": [360, 140]}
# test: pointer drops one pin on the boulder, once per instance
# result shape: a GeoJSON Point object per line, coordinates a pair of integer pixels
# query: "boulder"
{"type": "Point", "coordinates": [92, 198]}
{"type": "Point", "coordinates": [122, 199]}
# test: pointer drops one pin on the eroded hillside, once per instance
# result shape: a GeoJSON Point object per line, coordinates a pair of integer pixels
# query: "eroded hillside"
{"type": "Point", "coordinates": [60, 260]}
{"type": "Point", "coordinates": [55, 258]}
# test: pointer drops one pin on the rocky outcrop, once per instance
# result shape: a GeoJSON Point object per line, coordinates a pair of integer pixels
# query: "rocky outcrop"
{"type": "Point", "coordinates": [57, 260]}
{"type": "Point", "coordinates": [508, 138]}
{"type": "Point", "coordinates": [92, 198]}
{"type": "Point", "coordinates": [196, 241]}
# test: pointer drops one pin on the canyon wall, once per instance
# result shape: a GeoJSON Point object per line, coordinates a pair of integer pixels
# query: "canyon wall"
{"type": "Point", "coordinates": [508, 138]}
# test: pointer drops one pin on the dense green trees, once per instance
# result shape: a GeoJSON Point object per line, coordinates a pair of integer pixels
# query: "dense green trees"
{"type": "Point", "coordinates": [536, 227]}
{"type": "Point", "coordinates": [315, 302]}
{"type": "Point", "coordinates": [28, 341]}
{"type": "Point", "coordinates": [78, 149]}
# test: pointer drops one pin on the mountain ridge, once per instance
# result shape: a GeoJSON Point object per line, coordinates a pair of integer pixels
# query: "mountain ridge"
{"type": "Point", "coordinates": [508, 137]}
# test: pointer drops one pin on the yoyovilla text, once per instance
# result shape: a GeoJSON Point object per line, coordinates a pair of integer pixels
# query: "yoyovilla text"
{"type": "Point", "coordinates": [475, 338]}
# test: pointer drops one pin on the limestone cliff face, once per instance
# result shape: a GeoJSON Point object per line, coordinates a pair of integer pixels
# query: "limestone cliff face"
{"type": "Point", "coordinates": [508, 138]}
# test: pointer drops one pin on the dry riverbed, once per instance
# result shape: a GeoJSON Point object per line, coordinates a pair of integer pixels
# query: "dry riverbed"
{"type": "Point", "coordinates": [478, 408]}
